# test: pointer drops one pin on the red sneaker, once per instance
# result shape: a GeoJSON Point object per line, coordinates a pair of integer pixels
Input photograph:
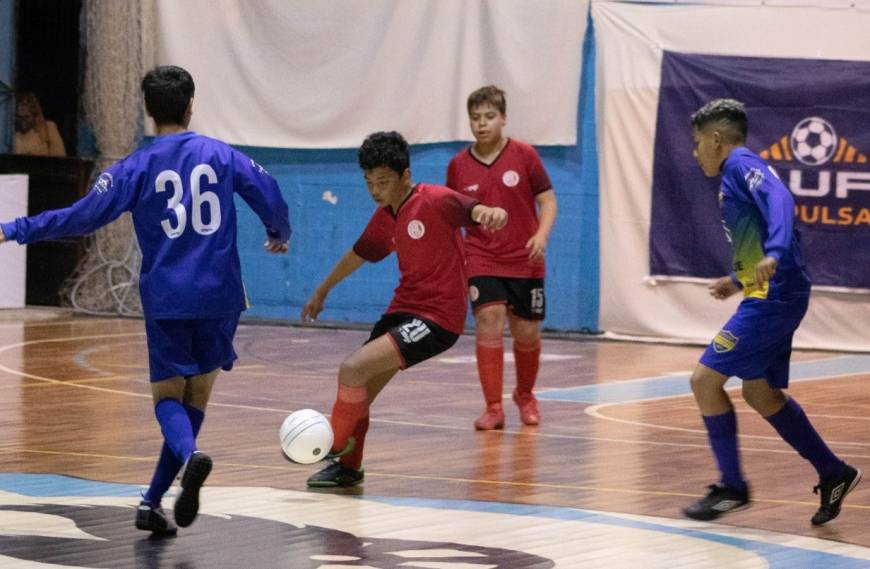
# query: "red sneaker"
{"type": "Point", "coordinates": [492, 418]}
{"type": "Point", "coordinates": [528, 405]}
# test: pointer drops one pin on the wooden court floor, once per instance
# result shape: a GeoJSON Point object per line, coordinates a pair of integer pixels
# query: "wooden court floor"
{"type": "Point", "coordinates": [600, 483]}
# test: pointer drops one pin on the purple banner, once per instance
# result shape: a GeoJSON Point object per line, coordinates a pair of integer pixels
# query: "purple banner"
{"type": "Point", "coordinates": [809, 118]}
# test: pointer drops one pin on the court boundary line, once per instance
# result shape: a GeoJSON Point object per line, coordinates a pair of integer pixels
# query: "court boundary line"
{"type": "Point", "coordinates": [451, 479]}
{"type": "Point", "coordinates": [20, 373]}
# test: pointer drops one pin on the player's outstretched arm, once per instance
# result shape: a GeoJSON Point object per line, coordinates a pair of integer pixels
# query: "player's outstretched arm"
{"type": "Point", "coordinates": [491, 218]}
{"type": "Point", "coordinates": [261, 192]}
{"type": "Point", "coordinates": [349, 263]}
{"type": "Point", "coordinates": [108, 198]}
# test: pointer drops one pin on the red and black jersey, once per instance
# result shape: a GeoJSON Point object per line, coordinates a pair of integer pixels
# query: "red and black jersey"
{"type": "Point", "coordinates": [425, 235]}
{"type": "Point", "coordinates": [511, 182]}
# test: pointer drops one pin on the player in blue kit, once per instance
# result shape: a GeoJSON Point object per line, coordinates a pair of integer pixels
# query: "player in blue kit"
{"type": "Point", "coordinates": [755, 344]}
{"type": "Point", "coordinates": [179, 191]}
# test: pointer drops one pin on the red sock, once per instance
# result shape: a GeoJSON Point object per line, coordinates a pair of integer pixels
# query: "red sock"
{"type": "Point", "coordinates": [527, 355]}
{"type": "Point", "coordinates": [354, 458]}
{"type": "Point", "coordinates": [490, 365]}
{"type": "Point", "coordinates": [351, 405]}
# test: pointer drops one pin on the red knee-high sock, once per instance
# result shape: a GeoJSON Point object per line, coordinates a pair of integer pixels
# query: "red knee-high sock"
{"type": "Point", "coordinates": [354, 458]}
{"type": "Point", "coordinates": [527, 355]}
{"type": "Point", "coordinates": [490, 365]}
{"type": "Point", "coordinates": [351, 405]}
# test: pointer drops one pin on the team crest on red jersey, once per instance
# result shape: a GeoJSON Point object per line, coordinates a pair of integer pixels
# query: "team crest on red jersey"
{"type": "Point", "coordinates": [416, 229]}
{"type": "Point", "coordinates": [510, 178]}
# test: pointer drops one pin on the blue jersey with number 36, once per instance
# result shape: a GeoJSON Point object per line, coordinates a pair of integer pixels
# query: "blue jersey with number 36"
{"type": "Point", "coordinates": [179, 191]}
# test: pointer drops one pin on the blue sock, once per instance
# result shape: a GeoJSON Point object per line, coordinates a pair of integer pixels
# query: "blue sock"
{"type": "Point", "coordinates": [795, 428]}
{"type": "Point", "coordinates": [168, 466]}
{"type": "Point", "coordinates": [722, 430]}
{"type": "Point", "coordinates": [178, 444]}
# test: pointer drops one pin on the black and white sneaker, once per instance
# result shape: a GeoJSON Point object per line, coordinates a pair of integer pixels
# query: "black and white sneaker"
{"type": "Point", "coordinates": [196, 470]}
{"type": "Point", "coordinates": [155, 520]}
{"type": "Point", "coordinates": [720, 500]}
{"type": "Point", "coordinates": [833, 492]}
{"type": "Point", "coordinates": [336, 475]}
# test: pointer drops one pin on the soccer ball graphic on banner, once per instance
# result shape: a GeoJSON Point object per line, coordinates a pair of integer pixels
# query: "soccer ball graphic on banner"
{"type": "Point", "coordinates": [813, 141]}
{"type": "Point", "coordinates": [306, 436]}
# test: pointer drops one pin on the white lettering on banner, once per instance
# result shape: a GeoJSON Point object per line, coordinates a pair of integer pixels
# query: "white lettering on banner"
{"type": "Point", "coordinates": [847, 181]}
{"type": "Point", "coordinates": [844, 183]}
{"type": "Point", "coordinates": [795, 184]}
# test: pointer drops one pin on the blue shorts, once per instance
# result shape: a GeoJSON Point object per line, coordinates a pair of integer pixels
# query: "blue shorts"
{"type": "Point", "coordinates": [190, 347]}
{"type": "Point", "coordinates": [756, 341]}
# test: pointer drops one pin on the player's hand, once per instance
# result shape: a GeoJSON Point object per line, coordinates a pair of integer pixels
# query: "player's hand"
{"type": "Point", "coordinates": [537, 246]}
{"type": "Point", "coordinates": [491, 218]}
{"type": "Point", "coordinates": [722, 288]}
{"type": "Point", "coordinates": [764, 270]}
{"type": "Point", "coordinates": [312, 308]}
{"type": "Point", "coordinates": [275, 246]}
{"type": "Point", "coordinates": [2, 236]}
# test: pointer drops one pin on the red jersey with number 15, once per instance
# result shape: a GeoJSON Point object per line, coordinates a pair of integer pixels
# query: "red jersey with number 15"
{"type": "Point", "coordinates": [511, 182]}
{"type": "Point", "coordinates": [425, 235]}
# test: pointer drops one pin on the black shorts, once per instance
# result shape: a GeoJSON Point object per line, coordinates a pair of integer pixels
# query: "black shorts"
{"type": "Point", "coordinates": [524, 297]}
{"type": "Point", "coordinates": [416, 338]}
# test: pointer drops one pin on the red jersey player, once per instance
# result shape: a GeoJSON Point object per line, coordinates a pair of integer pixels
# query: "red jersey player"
{"type": "Point", "coordinates": [421, 224]}
{"type": "Point", "coordinates": [506, 270]}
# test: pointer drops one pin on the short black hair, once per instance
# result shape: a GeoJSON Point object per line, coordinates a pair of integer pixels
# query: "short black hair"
{"type": "Point", "coordinates": [384, 149]}
{"type": "Point", "coordinates": [168, 90]}
{"type": "Point", "coordinates": [728, 114]}
{"type": "Point", "coordinates": [489, 94]}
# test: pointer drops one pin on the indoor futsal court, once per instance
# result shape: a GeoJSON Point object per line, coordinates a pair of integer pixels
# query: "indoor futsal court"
{"type": "Point", "coordinates": [616, 206]}
{"type": "Point", "coordinates": [599, 483]}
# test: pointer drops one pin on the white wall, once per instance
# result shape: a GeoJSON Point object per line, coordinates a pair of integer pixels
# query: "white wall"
{"type": "Point", "coordinates": [13, 257]}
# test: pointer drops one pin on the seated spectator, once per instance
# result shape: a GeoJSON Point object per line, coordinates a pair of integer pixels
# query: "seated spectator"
{"type": "Point", "coordinates": [33, 133]}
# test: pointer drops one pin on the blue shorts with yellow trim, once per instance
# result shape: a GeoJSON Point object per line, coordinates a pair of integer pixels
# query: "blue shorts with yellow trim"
{"type": "Point", "coordinates": [756, 342]}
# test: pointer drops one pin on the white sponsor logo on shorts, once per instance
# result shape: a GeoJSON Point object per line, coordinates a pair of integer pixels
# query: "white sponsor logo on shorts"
{"type": "Point", "coordinates": [510, 178]}
{"type": "Point", "coordinates": [414, 331]}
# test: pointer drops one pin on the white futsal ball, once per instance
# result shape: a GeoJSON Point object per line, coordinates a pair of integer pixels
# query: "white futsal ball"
{"type": "Point", "coordinates": [306, 436]}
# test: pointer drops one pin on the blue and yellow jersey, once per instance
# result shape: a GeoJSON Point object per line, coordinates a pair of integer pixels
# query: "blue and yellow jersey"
{"type": "Point", "coordinates": [758, 215]}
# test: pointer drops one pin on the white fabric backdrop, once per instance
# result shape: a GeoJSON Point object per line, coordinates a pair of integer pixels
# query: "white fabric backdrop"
{"type": "Point", "coordinates": [303, 74]}
{"type": "Point", "coordinates": [13, 257]}
{"type": "Point", "coordinates": [630, 39]}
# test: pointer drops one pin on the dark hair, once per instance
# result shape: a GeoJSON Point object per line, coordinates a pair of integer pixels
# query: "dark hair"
{"type": "Point", "coordinates": [168, 90]}
{"type": "Point", "coordinates": [729, 114]}
{"type": "Point", "coordinates": [489, 94]}
{"type": "Point", "coordinates": [384, 149]}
